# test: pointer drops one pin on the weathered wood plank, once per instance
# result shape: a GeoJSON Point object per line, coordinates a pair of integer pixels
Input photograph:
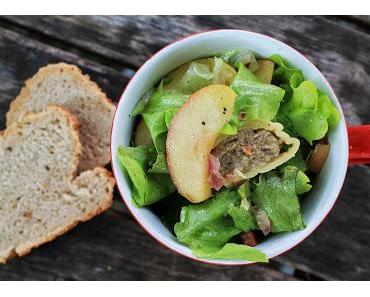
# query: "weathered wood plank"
{"type": "Point", "coordinates": [364, 19]}
{"type": "Point", "coordinates": [339, 51]}
{"type": "Point", "coordinates": [20, 57]}
{"type": "Point", "coordinates": [339, 248]}
{"type": "Point", "coordinates": [111, 246]}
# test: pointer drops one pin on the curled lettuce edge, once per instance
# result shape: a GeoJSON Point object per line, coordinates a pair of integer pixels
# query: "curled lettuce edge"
{"type": "Point", "coordinates": [233, 251]}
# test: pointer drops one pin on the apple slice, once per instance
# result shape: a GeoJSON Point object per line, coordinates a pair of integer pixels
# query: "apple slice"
{"type": "Point", "coordinates": [265, 71]}
{"type": "Point", "coordinates": [191, 136]}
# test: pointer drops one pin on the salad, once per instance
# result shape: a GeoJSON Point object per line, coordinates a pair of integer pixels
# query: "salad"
{"type": "Point", "coordinates": [225, 149]}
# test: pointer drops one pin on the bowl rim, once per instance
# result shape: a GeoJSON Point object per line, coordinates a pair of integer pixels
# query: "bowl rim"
{"type": "Point", "coordinates": [162, 242]}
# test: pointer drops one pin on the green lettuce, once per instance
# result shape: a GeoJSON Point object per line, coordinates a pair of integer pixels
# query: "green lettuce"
{"type": "Point", "coordinates": [282, 117]}
{"type": "Point", "coordinates": [258, 100]}
{"type": "Point", "coordinates": [285, 75]}
{"type": "Point", "coordinates": [306, 111]}
{"type": "Point", "coordinates": [147, 188]}
{"type": "Point", "coordinates": [196, 216]}
{"type": "Point", "coordinates": [192, 76]}
{"type": "Point", "coordinates": [277, 195]}
{"type": "Point", "coordinates": [297, 161]}
{"type": "Point", "coordinates": [302, 183]}
{"type": "Point", "coordinates": [158, 112]}
{"type": "Point", "coordinates": [213, 235]}
{"type": "Point", "coordinates": [159, 100]}
{"type": "Point", "coordinates": [207, 229]}
{"type": "Point", "coordinates": [232, 251]}
{"type": "Point", "coordinates": [157, 109]}
{"type": "Point", "coordinates": [160, 164]}
{"type": "Point", "coordinates": [242, 214]}
{"type": "Point", "coordinates": [229, 129]}
{"type": "Point", "coordinates": [243, 219]}
{"type": "Point", "coordinates": [237, 57]}
{"type": "Point", "coordinates": [330, 109]}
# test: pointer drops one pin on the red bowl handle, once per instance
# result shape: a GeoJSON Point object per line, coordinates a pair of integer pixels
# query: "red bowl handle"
{"type": "Point", "coordinates": [359, 144]}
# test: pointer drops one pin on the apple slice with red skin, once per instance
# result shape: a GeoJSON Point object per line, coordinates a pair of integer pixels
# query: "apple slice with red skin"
{"type": "Point", "coordinates": [191, 136]}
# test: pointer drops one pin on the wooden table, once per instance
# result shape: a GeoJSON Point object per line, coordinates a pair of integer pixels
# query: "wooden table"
{"type": "Point", "coordinates": [110, 49]}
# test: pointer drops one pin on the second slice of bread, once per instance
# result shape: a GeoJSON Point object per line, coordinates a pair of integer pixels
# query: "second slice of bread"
{"type": "Point", "coordinates": [40, 197]}
{"type": "Point", "coordinates": [65, 85]}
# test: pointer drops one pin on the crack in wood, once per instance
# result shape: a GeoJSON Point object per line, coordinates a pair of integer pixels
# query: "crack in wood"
{"type": "Point", "coordinates": [64, 45]}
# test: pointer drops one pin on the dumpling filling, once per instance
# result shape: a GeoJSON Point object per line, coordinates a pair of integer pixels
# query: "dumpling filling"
{"type": "Point", "coordinates": [257, 148]}
{"type": "Point", "coordinates": [247, 150]}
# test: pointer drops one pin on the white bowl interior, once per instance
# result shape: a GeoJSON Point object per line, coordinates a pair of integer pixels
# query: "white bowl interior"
{"type": "Point", "coordinates": [326, 186]}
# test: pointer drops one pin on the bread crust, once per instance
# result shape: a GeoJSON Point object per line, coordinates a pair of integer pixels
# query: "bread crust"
{"type": "Point", "coordinates": [18, 110]}
{"type": "Point", "coordinates": [104, 203]}
{"type": "Point", "coordinates": [45, 71]}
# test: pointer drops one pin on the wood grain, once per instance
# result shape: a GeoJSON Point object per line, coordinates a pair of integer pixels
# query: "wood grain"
{"type": "Point", "coordinates": [112, 246]}
{"type": "Point", "coordinates": [364, 19]}
{"type": "Point", "coordinates": [20, 57]}
{"type": "Point", "coordinates": [339, 51]}
{"type": "Point", "coordinates": [339, 249]}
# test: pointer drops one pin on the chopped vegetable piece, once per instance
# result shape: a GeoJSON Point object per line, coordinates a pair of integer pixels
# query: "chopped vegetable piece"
{"type": "Point", "coordinates": [265, 71]}
{"type": "Point", "coordinates": [262, 219]}
{"type": "Point", "coordinates": [142, 135]}
{"type": "Point", "coordinates": [249, 238]}
{"type": "Point", "coordinates": [318, 157]}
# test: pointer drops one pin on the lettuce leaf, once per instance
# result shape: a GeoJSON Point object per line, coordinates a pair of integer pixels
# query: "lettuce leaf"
{"type": "Point", "coordinates": [277, 195]}
{"type": "Point", "coordinates": [242, 215]}
{"type": "Point", "coordinates": [297, 161]}
{"type": "Point", "coordinates": [306, 111]}
{"type": "Point", "coordinates": [192, 76]}
{"type": "Point", "coordinates": [302, 183]}
{"type": "Point", "coordinates": [308, 114]}
{"type": "Point", "coordinates": [243, 219]}
{"type": "Point", "coordinates": [259, 101]}
{"type": "Point", "coordinates": [213, 234]}
{"type": "Point", "coordinates": [196, 216]}
{"type": "Point", "coordinates": [329, 108]}
{"type": "Point", "coordinates": [157, 108]}
{"type": "Point", "coordinates": [160, 164]}
{"type": "Point", "coordinates": [237, 57]}
{"type": "Point", "coordinates": [232, 251]}
{"type": "Point", "coordinates": [284, 74]}
{"type": "Point", "coordinates": [158, 113]}
{"type": "Point", "coordinates": [147, 188]}
{"type": "Point", "coordinates": [229, 129]}
{"type": "Point", "coordinates": [207, 229]}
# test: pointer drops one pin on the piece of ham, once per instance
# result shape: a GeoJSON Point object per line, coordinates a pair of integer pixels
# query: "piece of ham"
{"type": "Point", "coordinates": [249, 238]}
{"type": "Point", "coordinates": [215, 178]}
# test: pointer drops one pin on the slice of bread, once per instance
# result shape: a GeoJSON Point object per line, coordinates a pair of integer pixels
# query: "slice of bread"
{"type": "Point", "coordinates": [65, 85]}
{"type": "Point", "coordinates": [40, 197]}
